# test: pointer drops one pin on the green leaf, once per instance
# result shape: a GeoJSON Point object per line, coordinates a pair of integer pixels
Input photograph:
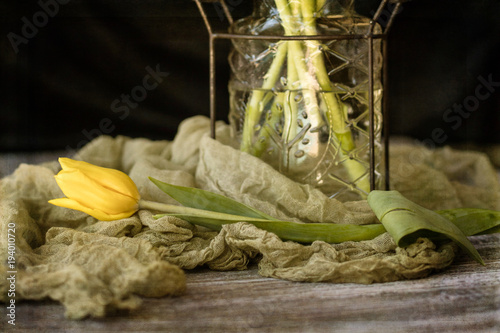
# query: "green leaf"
{"type": "Point", "coordinates": [473, 221]}
{"type": "Point", "coordinates": [294, 231]}
{"type": "Point", "coordinates": [200, 199]}
{"type": "Point", "coordinates": [406, 221]}
{"type": "Point", "coordinates": [216, 210]}
{"type": "Point", "coordinates": [403, 219]}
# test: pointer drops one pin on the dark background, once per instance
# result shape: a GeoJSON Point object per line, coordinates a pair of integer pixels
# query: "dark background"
{"type": "Point", "coordinates": [61, 84]}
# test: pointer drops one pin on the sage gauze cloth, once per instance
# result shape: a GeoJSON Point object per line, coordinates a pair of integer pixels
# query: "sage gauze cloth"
{"type": "Point", "coordinates": [93, 266]}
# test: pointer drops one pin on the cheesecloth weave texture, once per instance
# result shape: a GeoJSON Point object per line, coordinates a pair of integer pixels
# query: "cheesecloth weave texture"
{"type": "Point", "coordinates": [93, 266]}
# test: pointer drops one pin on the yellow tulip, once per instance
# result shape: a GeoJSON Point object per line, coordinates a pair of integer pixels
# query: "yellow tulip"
{"type": "Point", "coordinates": [106, 194]}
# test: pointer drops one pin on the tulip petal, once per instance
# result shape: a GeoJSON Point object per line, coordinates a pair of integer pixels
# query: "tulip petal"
{"type": "Point", "coordinates": [72, 204]}
{"type": "Point", "coordinates": [106, 177]}
{"type": "Point", "coordinates": [77, 186]}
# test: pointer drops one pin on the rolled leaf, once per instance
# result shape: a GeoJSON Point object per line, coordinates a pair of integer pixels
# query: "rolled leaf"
{"type": "Point", "coordinates": [406, 221]}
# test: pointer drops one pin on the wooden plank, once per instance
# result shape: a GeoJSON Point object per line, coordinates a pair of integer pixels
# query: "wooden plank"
{"type": "Point", "coordinates": [463, 298]}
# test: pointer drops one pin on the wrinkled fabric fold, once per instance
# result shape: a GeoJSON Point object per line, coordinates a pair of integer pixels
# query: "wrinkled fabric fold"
{"type": "Point", "coordinates": [93, 267]}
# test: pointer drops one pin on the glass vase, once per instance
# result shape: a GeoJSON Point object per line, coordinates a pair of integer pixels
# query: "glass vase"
{"type": "Point", "coordinates": [302, 105]}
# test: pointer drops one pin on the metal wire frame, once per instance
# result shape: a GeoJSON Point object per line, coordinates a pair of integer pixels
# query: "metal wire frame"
{"type": "Point", "coordinates": [370, 36]}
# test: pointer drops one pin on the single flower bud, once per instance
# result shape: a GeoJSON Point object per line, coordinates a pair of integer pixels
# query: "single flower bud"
{"type": "Point", "coordinates": [106, 194]}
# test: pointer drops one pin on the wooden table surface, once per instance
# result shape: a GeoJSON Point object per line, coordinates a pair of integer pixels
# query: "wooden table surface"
{"type": "Point", "coordinates": [463, 298]}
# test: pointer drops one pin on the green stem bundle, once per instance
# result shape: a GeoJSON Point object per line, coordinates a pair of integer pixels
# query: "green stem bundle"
{"type": "Point", "coordinates": [306, 70]}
